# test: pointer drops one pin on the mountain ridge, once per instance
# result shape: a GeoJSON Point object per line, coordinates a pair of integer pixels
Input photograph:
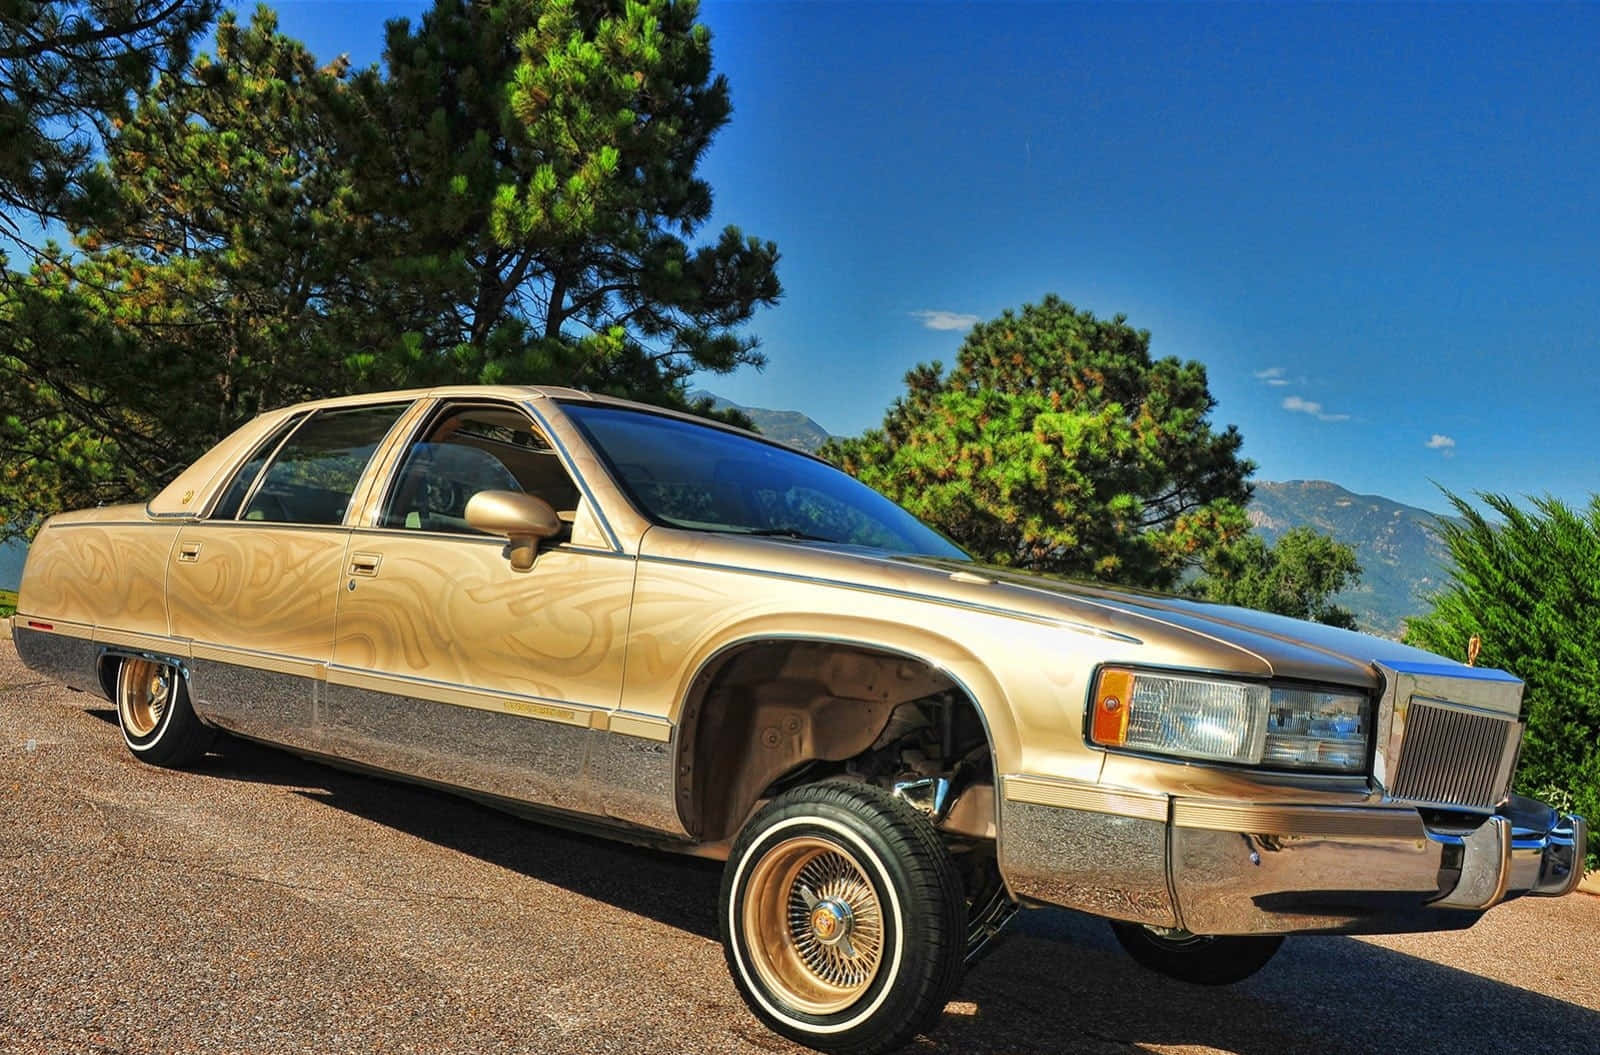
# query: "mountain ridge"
{"type": "Point", "coordinates": [786, 426]}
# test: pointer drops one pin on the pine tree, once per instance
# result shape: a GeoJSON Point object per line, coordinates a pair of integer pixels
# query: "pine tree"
{"type": "Point", "coordinates": [1297, 576]}
{"type": "Point", "coordinates": [1057, 443]}
{"type": "Point", "coordinates": [1528, 587]}
{"type": "Point", "coordinates": [509, 200]}
{"type": "Point", "coordinates": [66, 70]}
{"type": "Point", "coordinates": [540, 157]}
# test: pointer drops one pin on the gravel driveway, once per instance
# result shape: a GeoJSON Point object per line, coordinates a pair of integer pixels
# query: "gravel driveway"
{"type": "Point", "coordinates": [265, 904]}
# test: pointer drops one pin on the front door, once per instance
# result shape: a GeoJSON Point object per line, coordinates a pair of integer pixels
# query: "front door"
{"type": "Point", "coordinates": [450, 665]}
{"type": "Point", "coordinates": [253, 585]}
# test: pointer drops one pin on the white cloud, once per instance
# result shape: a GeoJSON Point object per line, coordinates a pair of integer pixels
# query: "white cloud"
{"type": "Point", "coordinates": [1273, 375]}
{"type": "Point", "coordinates": [1306, 406]}
{"type": "Point", "coordinates": [946, 320]}
{"type": "Point", "coordinates": [1440, 442]}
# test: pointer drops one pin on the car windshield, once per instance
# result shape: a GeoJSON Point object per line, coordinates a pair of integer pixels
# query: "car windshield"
{"type": "Point", "coordinates": [707, 479]}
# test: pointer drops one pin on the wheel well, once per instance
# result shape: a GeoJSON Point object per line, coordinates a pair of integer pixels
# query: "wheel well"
{"type": "Point", "coordinates": [108, 674]}
{"type": "Point", "coordinates": [765, 715]}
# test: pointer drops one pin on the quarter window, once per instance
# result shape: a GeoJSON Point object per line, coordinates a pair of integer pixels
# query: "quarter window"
{"type": "Point", "coordinates": [313, 475]}
{"type": "Point", "coordinates": [245, 478]}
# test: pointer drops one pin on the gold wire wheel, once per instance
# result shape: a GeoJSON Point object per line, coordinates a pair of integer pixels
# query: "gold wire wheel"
{"type": "Point", "coordinates": [814, 925]}
{"type": "Point", "coordinates": [144, 692]}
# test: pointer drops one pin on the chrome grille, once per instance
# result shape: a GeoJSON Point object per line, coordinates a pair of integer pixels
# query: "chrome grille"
{"type": "Point", "coordinates": [1450, 757]}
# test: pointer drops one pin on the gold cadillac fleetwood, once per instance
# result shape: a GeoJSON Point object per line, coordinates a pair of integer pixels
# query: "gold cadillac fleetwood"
{"type": "Point", "coordinates": [680, 634]}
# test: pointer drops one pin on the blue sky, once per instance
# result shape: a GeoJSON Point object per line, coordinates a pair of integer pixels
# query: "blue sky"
{"type": "Point", "coordinates": [1378, 226]}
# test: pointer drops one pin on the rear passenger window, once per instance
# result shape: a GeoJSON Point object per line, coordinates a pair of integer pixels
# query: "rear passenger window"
{"type": "Point", "coordinates": [311, 479]}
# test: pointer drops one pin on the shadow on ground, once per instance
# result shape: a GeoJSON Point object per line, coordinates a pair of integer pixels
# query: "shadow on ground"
{"type": "Point", "coordinates": [1059, 983]}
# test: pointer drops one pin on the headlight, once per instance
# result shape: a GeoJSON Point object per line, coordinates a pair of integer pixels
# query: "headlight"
{"type": "Point", "coordinates": [1231, 721]}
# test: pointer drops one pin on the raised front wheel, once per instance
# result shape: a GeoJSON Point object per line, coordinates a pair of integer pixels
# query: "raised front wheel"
{"type": "Point", "coordinates": [843, 918]}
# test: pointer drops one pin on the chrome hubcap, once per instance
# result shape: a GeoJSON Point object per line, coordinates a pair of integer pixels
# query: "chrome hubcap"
{"type": "Point", "coordinates": [832, 921]}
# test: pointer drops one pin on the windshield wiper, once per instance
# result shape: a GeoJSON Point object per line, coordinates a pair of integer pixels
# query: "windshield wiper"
{"type": "Point", "coordinates": [787, 533]}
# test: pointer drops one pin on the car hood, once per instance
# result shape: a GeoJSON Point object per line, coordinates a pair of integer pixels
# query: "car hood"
{"type": "Point", "coordinates": [1236, 639]}
{"type": "Point", "coordinates": [1134, 626]}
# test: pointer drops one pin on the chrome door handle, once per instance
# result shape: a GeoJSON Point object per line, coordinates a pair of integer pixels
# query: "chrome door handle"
{"type": "Point", "coordinates": [365, 563]}
{"type": "Point", "coordinates": [189, 552]}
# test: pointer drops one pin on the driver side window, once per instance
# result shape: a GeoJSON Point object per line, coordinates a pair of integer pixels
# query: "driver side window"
{"type": "Point", "coordinates": [470, 449]}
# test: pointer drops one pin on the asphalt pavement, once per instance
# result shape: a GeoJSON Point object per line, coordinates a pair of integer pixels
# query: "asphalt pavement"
{"type": "Point", "coordinates": [261, 903]}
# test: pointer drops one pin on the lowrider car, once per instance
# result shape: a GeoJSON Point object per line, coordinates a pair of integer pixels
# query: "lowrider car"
{"type": "Point", "coordinates": [681, 634]}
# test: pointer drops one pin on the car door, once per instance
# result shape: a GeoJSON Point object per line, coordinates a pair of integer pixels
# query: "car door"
{"type": "Point", "coordinates": [253, 585]}
{"type": "Point", "coordinates": [448, 663]}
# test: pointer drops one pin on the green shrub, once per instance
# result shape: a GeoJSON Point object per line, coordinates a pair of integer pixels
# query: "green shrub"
{"type": "Point", "coordinates": [1529, 587]}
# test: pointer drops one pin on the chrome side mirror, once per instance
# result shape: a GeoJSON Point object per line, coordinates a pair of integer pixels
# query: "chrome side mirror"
{"type": "Point", "coordinates": [523, 519]}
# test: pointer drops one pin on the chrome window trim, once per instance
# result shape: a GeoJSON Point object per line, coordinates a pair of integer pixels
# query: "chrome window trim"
{"type": "Point", "coordinates": [570, 464]}
{"type": "Point", "coordinates": [488, 697]}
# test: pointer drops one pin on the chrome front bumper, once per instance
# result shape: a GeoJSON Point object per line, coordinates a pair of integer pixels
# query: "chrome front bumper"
{"type": "Point", "coordinates": [1240, 868]}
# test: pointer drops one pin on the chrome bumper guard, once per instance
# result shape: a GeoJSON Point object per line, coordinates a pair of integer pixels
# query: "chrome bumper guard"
{"type": "Point", "coordinates": [1526, 848]}
{"type": "Point", "coordinates": [1241, 868]}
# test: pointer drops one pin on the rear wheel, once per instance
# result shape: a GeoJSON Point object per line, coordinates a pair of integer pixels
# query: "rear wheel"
{"type": "Point", "coordinates": [843, 918]}
{"type": "Point", "coordinates": [1196, 958]}
{"type": "Point", "coordinates": [158, 724]}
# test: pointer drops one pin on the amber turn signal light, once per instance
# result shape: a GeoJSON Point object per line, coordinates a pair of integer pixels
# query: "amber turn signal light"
{"type": "Point", "coordinates": [1113, 697]}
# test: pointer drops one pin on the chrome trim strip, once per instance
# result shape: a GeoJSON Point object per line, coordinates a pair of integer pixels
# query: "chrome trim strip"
{"type": "Point", "coordinates": [131, 639]}
{"type": "Point", "coordinates": [1452, 670]}
{"type": "Point", "coordinates": [276, 662]}
{"type": "Point", "coordinates": [889, 591]}
{"type": "Point", "coordinates": [645, 726]}
{"type": "Point", "coordinates": [543, 708]}
{"type": "Point", "coordinates": [493, 540]}
{"type": "Point", "coordinates": [1092, 798]}
{"type": "Point", "coordinates": [472, 749]}
{"type": "Point", "coordinates": [571, 465]}
{"type": "Point", "coordinates": [1342, 821]}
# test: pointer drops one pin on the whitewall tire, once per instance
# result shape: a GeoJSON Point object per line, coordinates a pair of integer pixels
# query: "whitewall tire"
{"type": "Point", "coordinates": [843, 918]}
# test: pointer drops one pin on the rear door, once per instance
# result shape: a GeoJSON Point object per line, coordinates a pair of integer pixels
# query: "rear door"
{"type": "Point", "coordinates": [254, 585]}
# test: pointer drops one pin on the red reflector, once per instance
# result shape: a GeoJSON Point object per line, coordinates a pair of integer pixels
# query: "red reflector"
{"type": "Point", "coordinates": [36, 625]}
